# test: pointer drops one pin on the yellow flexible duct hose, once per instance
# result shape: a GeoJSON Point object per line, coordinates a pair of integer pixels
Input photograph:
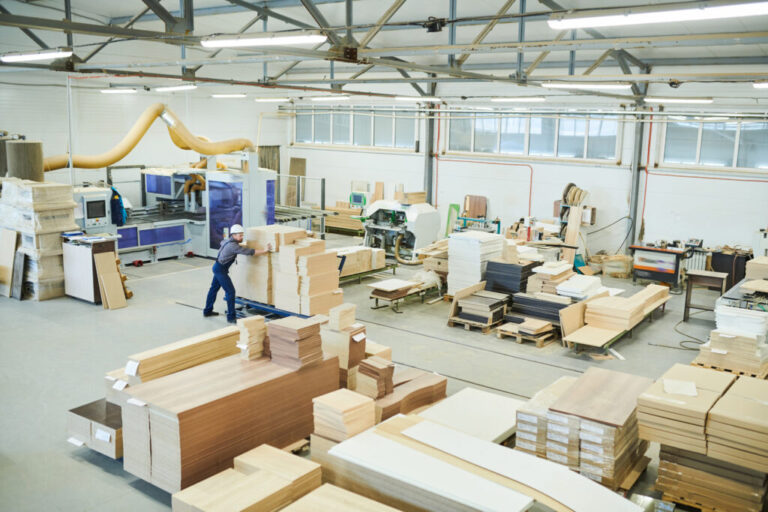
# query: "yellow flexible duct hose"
{"type": "Point", "coordinates": [399, 258]}
{"type": "Point", "coordinates": [179, 133]}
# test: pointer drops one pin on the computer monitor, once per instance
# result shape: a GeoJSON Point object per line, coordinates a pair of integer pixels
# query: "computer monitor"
{"type": "Point", "coordinates": [95, 209]}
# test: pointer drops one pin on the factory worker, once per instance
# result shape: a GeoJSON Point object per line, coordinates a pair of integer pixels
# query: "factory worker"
{"type": "Point", "coordinates": [230, 248]}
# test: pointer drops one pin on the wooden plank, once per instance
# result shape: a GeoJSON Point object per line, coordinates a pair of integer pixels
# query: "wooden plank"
{"type": "Point", "coordinates": [392, 285]}
{"type": "Point", "coordinates": [329, 497]}
{"type": "Point", "coordinates": [592, 336]}
{"type": "Point", "coordinates": [8, 240]}
{"type": "Point", "coordinates": [572, 232]}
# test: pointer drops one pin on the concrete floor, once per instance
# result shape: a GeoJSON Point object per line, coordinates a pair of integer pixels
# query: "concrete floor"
{"type": "Point", "coordinates": [55, 354]}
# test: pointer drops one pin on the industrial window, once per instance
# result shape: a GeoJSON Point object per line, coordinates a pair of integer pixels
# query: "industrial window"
{"type": "Point", "coordinates": [341, 127]}
{"type": "Point", "coordinates": [571, 134]}
{"type": "Point", "coordinates": [303, 127]}
{"type": "Point", "coordinates": [681, 142]}
{"type": "Point", "coordinates": [717, 143]}
{"type": "Point", "coordinates": [542, 136]}
{"type": "Point", "coordinates": [601, 137]}
{"type": "Point", "coordinates": [362, 129]}
{"type": "Point", "coordinates": [382, 129]}
{"type": "Point", "coordinates": [460, 132]}
{"type": "Point", "coordinates": [405, 130]}
{"type": "Point", "coordinates": [486, 133]}
{"type": "Point", "coordinates": [753, 145]}
{"type": "Point", "coordinates": [322, 128]}
{"type": "Point", "coordinates": [512, 138]}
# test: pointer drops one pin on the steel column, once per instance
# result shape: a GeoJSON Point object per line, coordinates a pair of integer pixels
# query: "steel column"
{"type": "Point", "coordinates": [452, 31]}
{"type": "Point", "coordinates": [637, 156]}
{"type": "Point", "coordinates": [520, 39]}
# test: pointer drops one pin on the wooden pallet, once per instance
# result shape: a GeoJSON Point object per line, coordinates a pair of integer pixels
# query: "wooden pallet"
{"type": "Point", "coordinates": [541, 340]}
{"type": "Point", "coordinates": [469, 324]}
{"type": "Point", "coordinates": [681, 501]}
{"type": "Point", "coordinates": [761, 375]}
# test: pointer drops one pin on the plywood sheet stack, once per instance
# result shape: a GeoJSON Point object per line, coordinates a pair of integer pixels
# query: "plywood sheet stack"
{"type": "Point", "coordinates": [548, 276]}
{"type": "Point", "coordinates": [374, 377]}
{"type": "Point", "coordinates": [330, 497]}
{"type": "Point", "coordinates": [618, 313]}
{"type": "Point", "coordinates": [412, 390]}
{"type": "Point", "coordinates": [346, 339]}
{"type": "Point", "coordinates": [504, 277]}
{"type": "Point", "coordinates": [264, 478]}
{"type": "Point", "coordinates": [710, 483]}
{"type": "Point", "coordinates": [652, 296]}
{"type": "Point", "coordinates": [295, 342]}
{"type": "Point", "coordinates": [757, 268]}
{"type": "Point", "coordinates": [254, 342]}
{"type": "Point", "coordinates": [532, 417]}
{"type": "Point", "coordinates": [605, 403]}
{"type": "Point", "coordinates": [737, 426]}
{"type": "Point", "coordinates": [40, 212]}
{"type": "Point", "coordinates": [187, 426]}
{"type": "Point", "coordinates": [345, 217]}
{"type": "Point", "coordinates": [468, 256]}
{"type": "Point", "coordinates": [342, 414]}
{"type": "Point", "coordinates": [673, 410]}
{"type": "Point", "coordinates": [360, 259]}
{"type": "Point", "coordinates": [745, 353]}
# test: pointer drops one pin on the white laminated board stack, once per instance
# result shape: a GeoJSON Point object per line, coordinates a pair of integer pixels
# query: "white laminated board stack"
{"type": "Point", "coordinates": [468, 255]}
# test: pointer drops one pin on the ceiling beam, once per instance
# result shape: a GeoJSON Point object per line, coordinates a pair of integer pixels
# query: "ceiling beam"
{"type": "Point", "coordinates": [321, 22]}
{"type": "Point", "coordinates": [111, 39]}
{"type": "Point", "coordinates": [269, 13]}
{"type": "Point", "coordinates": [242, 29]}
{"type": "Point", "coordinates": [294, 64]}
{"type": "Point", "coordinates": [39, 42]}
{"type": "Point", "coordinates": [162, 13]}
{"type": "Point", "coordinates": [486, 30]}
{"type": "Point", "coordinates": [368, 37]}
{"type": "Point", "coordinates": [596, 64]}
{"type": "Point", "coordinates": [543, 55]}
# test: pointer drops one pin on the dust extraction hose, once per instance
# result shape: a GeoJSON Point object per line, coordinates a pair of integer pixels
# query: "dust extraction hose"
{"type": "Point", "coordinates": [180, 136]}
{"type": "Point", "coordinates": [396, 250]}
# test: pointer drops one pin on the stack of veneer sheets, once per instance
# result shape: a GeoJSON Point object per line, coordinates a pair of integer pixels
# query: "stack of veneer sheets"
{"type": "Point", "coordinates": [187, 426]}
{"type": "Point", "coordinates": [307, 278]}
{"type": "Point", "coordinates": [579, 286]}
{"type": "Point", "coordinates": [673, 410]}
{"type": "Point", "coordinates": [483, 306]}
{"type": "Point", "coordinates": [710, 483]}
{"type": "Point", "coordinates": [345, 338]}
{"type": "Point", "coordinates": [548, 276]}
{"type": "Point", "coordinates": [253, 337]}
{"type": "Point", "coordinates": [468, 256]}
{"type": "Point", "coordinates": [253, 275]}
{"type": "Point", "coordinates": [342, 414]}
{"type": "Point", "coordinates": [747, 353]}
{"type": "Point", "coordinates": [618, 313]}
{"type": "Point", "coordinates": [375, 377]}
{"type": "Point", "coordinates": [532, 417]}
{"type": "Point", "coordinates": [737, 427]}
{"type": "Point", "coordinates": [295, 342]}
{"type": "Point", "coordinates": [264, 478]}
{"type": "Point", "coordinates": [412, 389]}
{"type": "Point", "coordinates": [358, 259]}
{"type": "Point", "coordinates": [330, 497]}
{"type": "Point", "coordinates": [604, 403]}
{"type": "Point", "coordinates": [504, 277]}
{"type": "Point", "coordinates": [539, 306]}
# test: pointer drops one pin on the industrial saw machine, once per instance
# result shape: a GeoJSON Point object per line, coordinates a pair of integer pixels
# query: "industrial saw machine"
{"type": "Point", "coordinates": [399, 228]}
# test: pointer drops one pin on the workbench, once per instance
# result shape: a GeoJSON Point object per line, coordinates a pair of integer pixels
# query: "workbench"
{"type": "Point", "coordinates": [706, 279]}
{"type": "Point", "coordinates": [657, 264]}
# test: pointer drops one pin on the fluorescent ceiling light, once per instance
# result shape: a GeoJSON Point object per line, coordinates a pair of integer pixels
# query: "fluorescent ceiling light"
{"type": "Point", "coordinates": [119, 91]}
{"type": "Point", "coordinates": [53, 53]}
{"type": "Point", "coordinates": [678, 100]}
{"type": "Point", "coordinates": [171, 88]}
{"type": "Point", "coordinates": [597, 86]}
{"type": "Point", "coordinates": [265, 39]}
{"type": "Point", "coordinates": [335, 97]}
{"type": "Point", "coordinates": [520, 99]}
{"type": "Point", "coordinates": [235, 95]}
{"type": "Point", "coordinates": [760, 85]}
{"type": "Point", "coordinates": [658, 14]}
{"type": "Point", "coordinates": [272, 100]}
{"type": "Point", "coordinates": [417, 98]}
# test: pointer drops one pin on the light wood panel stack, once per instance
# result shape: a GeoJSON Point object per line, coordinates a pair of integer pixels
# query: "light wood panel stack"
{"type": "Point", "coordinates": [330, 497]}
{"type": "Point", "coordinates": [374, 378]}
{"type": "Point", "coordinates": [532, 417]}
{"type": "Point", "coordinates": [420, 389]}
{"type": "Point", "coordinates": [737, 352]}
{"type": "Point", "coordinates": [295, 342]}
{"type": "Point", "coordinates": [360, 259]}
{"type": "Point", "coordinates": [342, 414]}
{"type": "Point", "coordinates": [619, 313]}
{"type": "Point", "coordinates": [307, 278]}
{"type": "Point", "coordinates": [345, 338]}
{"type": "Point", "coordinates": [187, 426]}
{"type": "Point", "coordinates": [757, 268]}
{"type": "Point", "coordinates": [345, 218]}
{"type": "Point", "coordinates": [254, 342]}
{"type": "Point", "coordinates": [303, 475]}
{"type": "Point", "coordinates": [545, 278]}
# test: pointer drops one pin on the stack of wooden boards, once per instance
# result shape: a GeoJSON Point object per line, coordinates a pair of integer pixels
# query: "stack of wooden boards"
{"type": "Point", "coordinates": [39, 213]}
{"type": "Point", "coordinates": [187, 426]}
{"type": "Point", "coordinates": [548, 276]}
{"type": "Point", "coordinates": [483, 306]}
{"type": "Point", "coordinates": [330, 497]}
{"type": "Point", "coordinates": [374, 377]}
{"type": "Point", "coordinates": [264, 478]}
{"type": "Point", "coordinates": [343, 337]}
{"type": "Point", "coordinates": [757, 268]}
{"type": "Point", "coordinates": [295, 342]}
{"type": "Point", "coordinates": [739, 342]}
{"type": "Point", "coordinates": [344, 218]}
{"type": "Point", "coordinates": [468, 256]}
{"type": "Point", "coordinates": [504, 277]}
{"type": "Point", "coordinates": [306, 278]}
{"type": "Point", "coordinates": [359, 259]}
{"type": "Point", "coordinates": [254, 342]}
{"type": "Point", "coordinates": [539, 305]}
{"type": "Point", "coordinates": [110, 279]}
{"type": "Point", "coordinates": [532, 421]}
{"type": "Point", "coordinates": [412, 389]}
{"type": "Point", "coordinates": [342, 414]}
{"type": "Point", "coordinates": [524, 328]}
{"type": "Point", "coordinates": [435, 257]}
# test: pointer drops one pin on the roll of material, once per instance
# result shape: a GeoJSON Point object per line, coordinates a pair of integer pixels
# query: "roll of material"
{"type": "Point", "coordinates": [24, 159]}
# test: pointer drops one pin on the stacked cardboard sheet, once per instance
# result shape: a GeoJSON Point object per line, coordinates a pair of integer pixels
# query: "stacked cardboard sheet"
{"type": "Point", "coordinates": [502, 276]}
{"type": "Point", "coordinates": [673, 410]}
{"type": "Point", "coordinates": [187, 426]}
{"type": "Point", "coordinates": [745, 353]}
{"type": "Point", "coordinates": [757, 268]}
{"type": "Point", "coordinates": [468, 256]}
{"type": "Point", "coordinates": [737, 427]}
{"type": "Point", "coordinates": [330, 497]}
{"type": "Point", "coordinates": [174, 357]}
{"type": "Point", "coordinates": [345, 338]}
{"type": "Point", "coordinates": [563, 444]}
{"type": "Point", "coordinates": [374, 377]}
{"type": "Point", "coordinates": [295, 342]}
{"type": "Point", "coordinates": [710, 483]}
{"type": "Point", "coordinates": [253, 337]}
{"type": "Point", "coordinates": [342, 414]}
{"type": "Point", "coordinates": [418, 389]}
{"type": "Point", "coordinates": [619, 313]}
{"type": "Point", "coordinates": [264, 478]}
{"type": "Point", "coordinates": [605, 402]}
{"type": "Point", "coordinates": [579, 286]}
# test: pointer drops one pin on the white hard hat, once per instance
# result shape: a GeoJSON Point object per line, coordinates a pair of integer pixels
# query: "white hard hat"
{"type": "Point", "coordinates": [235, 229]}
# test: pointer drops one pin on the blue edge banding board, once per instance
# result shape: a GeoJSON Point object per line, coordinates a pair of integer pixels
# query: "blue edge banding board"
{"type": "Point", "coordinates": [266, 308]}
